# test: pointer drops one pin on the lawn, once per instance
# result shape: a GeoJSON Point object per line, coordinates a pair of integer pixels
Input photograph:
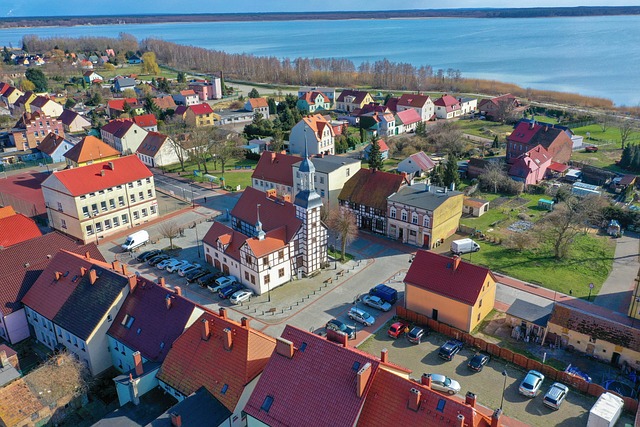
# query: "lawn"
{"type": "Point", "coordinates": [232, 176]}
{"type": "Point", "coordinates": [135, 69]}
{"type": "Point", "coordinates": [485, 128]}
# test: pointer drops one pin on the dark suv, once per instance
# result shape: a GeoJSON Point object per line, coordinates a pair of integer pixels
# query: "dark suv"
{"type": "Point", "coordinates": [336, 325]}
{"type": "Point", "coordinates": [450, 349]}
{"type": "Point", "coordinates": [229, 290]}
{"type": "Point", "coordinates": [203, 281]}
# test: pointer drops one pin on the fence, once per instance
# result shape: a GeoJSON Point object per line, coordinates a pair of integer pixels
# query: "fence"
{"type": "Point", "coordinates": [523, 361]}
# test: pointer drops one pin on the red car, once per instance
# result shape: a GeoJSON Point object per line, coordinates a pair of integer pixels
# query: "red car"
{"type": "Point", "coordinates": [591, 149]}
{"type": "Point", "coordinates": [397, 329]}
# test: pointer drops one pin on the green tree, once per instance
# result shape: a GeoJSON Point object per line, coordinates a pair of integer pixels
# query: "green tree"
{"type": "Point", "coordinates": [126, 108]}
{"type": "Point", "coordinates": [163, 85]}
{"type": "Point", "coordinates": [151, 107]}
{"type": "Point", "coordinates": [26, 84]}
{"type": "Point", "coordinates": [375, 156]}
{"type": "Point", "coordinates": [129, 93]}
{"type": "Point", "coordinates": [96, 98]}
{"type": "Point", "coordinates": [451, 175]}
{"type": "Point", "coordinates": [149, 63]}
{"type": "Point", "coordinates": [341, 144]}
{"type": "Point", "coordinates": [37, 77]}
{"type": "Point", "coordinates": [254, 93]}
{"type": "Point", "coordinates": [6, 55]}
{"type": "Point", "coordinates": [182, 77]}
{"type": "Point", "coordinates": [272, 105]}
{"type": "Point", "coordinates": [69, 104]}
{"type": "Point", "coordinates": [421, 129]}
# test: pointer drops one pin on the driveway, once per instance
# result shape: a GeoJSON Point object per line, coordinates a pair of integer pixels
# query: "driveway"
{"type": "Point", "coordinates": [617, 290]}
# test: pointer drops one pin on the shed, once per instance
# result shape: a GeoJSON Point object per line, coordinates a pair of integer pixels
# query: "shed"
{"type": "Point", "coordinates": [475, 207]}
{"type": "Point", "coordinates": [573, 175]}
{"type": "Point", "coordinates": [529, 321]}
{"type": "Point", "coordinates": [546, 204]}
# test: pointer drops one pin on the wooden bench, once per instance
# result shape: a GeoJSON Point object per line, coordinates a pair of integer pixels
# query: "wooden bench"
{"type": "Point", "coordinates": [340, 273]}
{"type": "Point", "coordinates": [271, 310]}
{"type": "Point", "coordinates": [329, 280]}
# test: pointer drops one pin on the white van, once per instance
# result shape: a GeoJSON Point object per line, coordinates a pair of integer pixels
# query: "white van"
{"type": "Point", "coordinates": [135, 240]}
{"type": "Point", "coordinates": [463, 246]}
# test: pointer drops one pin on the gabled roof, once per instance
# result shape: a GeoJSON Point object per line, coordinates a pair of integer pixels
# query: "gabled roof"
{"type": "Point", "coordinates": [198, 409]}
{"type": "Point", "coordinates": [50, 143]}
{"type": "Point", "coordinates": [90, 148]}
{"type": "Point", "coordinates": [145, 120]}
{"type": "Point", "coordinates": [330, 163]}
{"type": "Point", "coordinates": [7, 211]}
{"type": "Point", "coordinates": [317, 123]}
{"type": "Point", "coordinates": [534, 134]}
{"type": "Point", "coordinates": [165, 102]}
{"type": "Point", "coordinates": [435, 273]}
{"type": "Point", "coordinates": [558, 167]}
{"type": "Point", "coordinates": [358, 94]}
{"type": "Point", "coordinates": [311, 97]}
{"type": "Point", "coordinates": [474, 203]}
{"type": "Point", "coordinates": [187, 92]}
{"type": "Point", "coordinates": [39, 101]}
{"type": "Point", "coordinates": [421, 159]}
{"type": "Point", "coordinates": [496, 100]}
{"type": "Point", "coordinates": [200, 109]}
{"type": "Point", "coordinates": [530, 161]}
{"type": "Point", "coordinates": [409, 117]}
{"type": "Point", "coordinates": [22, 263]}
{"type": "Point", "coordinates": [151, 144]}
{"type": "Point", "coordinates": [420, 196]}
{"type": "Point", "coordinates": [99, 176]}
{"type": "Point", "coordinates": [228, 237]}
{"type": "Point", "coordinates": [275, 167]}
{"type": "Point", "coordinates": [125, 82]}
{"type": "Point", "coordinates": [274, 240]}
{"type": "Point", "coordinates": [449, 102]}
{"type": "Point", "coordinates": [118, 104]}
{"type": "Point", "coordinates": [258, 102]}
{"type": "Point", "coordinates": [413, 100]}
{"type": "Point", "coordinates": [193, 362]}
{"type": "Point", "coordinates": [68, 116]}
{"type": "Point", "coordinates": [383, 146]}
{"type": "Point", "coordinates": [155, 327]}
{"type": "Point", "coordinates": [299, 388]}
{"type": "Point", "coordinates": [17, 228]}
{"type": "Point", "coordinates": [273, 213]}
{"type": "Point", "coordinates": [371, 188]}
{"type": "Point", "coordinates": [180, 110]}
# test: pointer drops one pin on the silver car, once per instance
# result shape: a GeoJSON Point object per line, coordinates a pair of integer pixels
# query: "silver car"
{"type": "Point", "coordinates": [555, 396]}
{"type": "Point", "coordinates": [361, 316]}
{"type": "Point", "coordinates": [444, 384]}
{"type": "Point", "coordinates": [531, 384]}
{"type": "Point", "coordinates": [376, 302]}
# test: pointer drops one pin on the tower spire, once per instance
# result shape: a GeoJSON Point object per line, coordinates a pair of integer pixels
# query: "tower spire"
{"type": "Point", "coordinates": [260, 234]}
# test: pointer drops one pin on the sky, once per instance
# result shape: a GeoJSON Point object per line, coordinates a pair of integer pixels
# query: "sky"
{"type": "Point", "coordinates": [10, 8]}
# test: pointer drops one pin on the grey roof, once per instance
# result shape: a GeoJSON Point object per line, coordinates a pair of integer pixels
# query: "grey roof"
{"type": "Point", "coordinates": [199, 409]}
{"type": "Point", "coordinates": [308, 199]}
{"type": "Point", "coordinates": [417, 196]}
{"type": "Point", "coordinates": [328, 164]}
{"type": "Point", "coordinates": [126, 81]}
{"type": "Point", "coordinates": [7, 374]}
{"type": "Point", "coordinates": [532, 313]}
{"type": "Point", "coordinates": [152, 405]}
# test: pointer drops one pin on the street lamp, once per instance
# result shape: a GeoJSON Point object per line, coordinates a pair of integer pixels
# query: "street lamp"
{"type": "Point", "coordinates": [504, 374]}
{"type": "Point", "coordinates": [590, 288]}
{"type": "Point", "coordinates": [197, 241]}
{"type": "Point", "coordinates": [269, 284]}
{"type": "Point", "coordinates": [193, 201]}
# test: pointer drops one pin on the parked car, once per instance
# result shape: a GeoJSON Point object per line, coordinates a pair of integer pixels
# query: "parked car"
{"type": "Point", "coordinates": [174, 266]}
{"type": "Point", "coordinates": [240, 296]}
{"type": "Point", "coordinates": [444, 384]}
{"type": "Point", "coordinates": [336, 325]}
{"type": "Point", "coordinates": [156, 259]}
{"type": "Point", "coordinates": [376, 302]}
{"type": "Point", "coordinates": [477, 361]}
{"type": "Point", "coordinates": [188, 268]}
{"type": "Point", "coordinates": [591, 149]}
{"type": "Point", "coordinates": [397, 329]}
{"type": "Point", "coordinates": [450, 349]}
{"type": "Point", "coordinates": [416, 334]}
{"type": "Point", "coordinates": [222, 282]}
{"type": "Point", "coordinates": [148, 254]}
{"type": "Point", "coordinates": [164, 263]}
{"type": "Point", "coordinates": [205, 280]}
{"type": "Point", "coordinates": [385, 293]}
{"type": "Point", "coordinates": [196, 274]}
{"type": "Point", "coordinates": [229, 290]}
{"type": "Point", "coordinates": [530, 385]}
{"type": "Point", "coordinates": [556, 395]}
{"type": "Point", "coordinates": [361, 316]}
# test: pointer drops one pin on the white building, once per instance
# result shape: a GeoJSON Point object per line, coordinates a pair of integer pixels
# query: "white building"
{"type": "Point", "coordinates": [94, 201]}
{"type": "Point", "coordinates": [422, 104]}
{"type": "Point", "coordinates": [186, 97]}
{"type": "Point", "coordinates": [123, 135]}
{"type": "Point", "coordinates": [313, 132]}
{"type": "Point", "coordinates": [158, 150]}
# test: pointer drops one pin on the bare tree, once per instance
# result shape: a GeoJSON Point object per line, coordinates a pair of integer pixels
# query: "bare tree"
{"type": "Point", "coordinates": [343, 222]}
{"type": "Point", "coordinates": [504, 110]}
{"type": "Point", "coordinates": [626, 127]}
{"type": "Point", "coordinates": [604, 120]}
{"type": "Point", "coordinates": [493, 175]}
{"type": "Point", "coordinates": [521, 241]}
{"type": "Point", "coordinates": [178, 139]}
{"type": "Point", "coordinates": [225, 150]}
{"type": "Point", "coordinates": [169, 230]}
{"type": "Point", "coordinates": [447, 136]}
{"type": "Point", "coordinates": [201, 141]}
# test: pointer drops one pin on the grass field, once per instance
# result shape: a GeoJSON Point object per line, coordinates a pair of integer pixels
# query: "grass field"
{"type": "Point", "coordinates": [485, 128]}
{"type": "Point", "coordinates": [232, 176]}
{"type": "Point", "coordinates": [135, 69]}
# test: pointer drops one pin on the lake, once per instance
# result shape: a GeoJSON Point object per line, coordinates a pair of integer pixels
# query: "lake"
{"type": "Point", "coordinates": [593, 56]}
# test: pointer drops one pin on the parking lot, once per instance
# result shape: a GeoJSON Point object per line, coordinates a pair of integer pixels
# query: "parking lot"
{"type": "Point", "coordinates": [488, 384]}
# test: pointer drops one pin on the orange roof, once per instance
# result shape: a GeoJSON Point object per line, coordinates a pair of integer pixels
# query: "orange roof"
{"type": "Point", "coordinates": [7, 211]}
{"type": "Point", "coordinates": [273, 241]}
{"type": "Point", "coordinates": [17, 228]}
{"type": "Point", "coordinates": [228, 237]}
{"type": "Point", "coordinates": [258, 102]}
{"type": "Point", "coordinates": [194, 362]}
{"type": "Point", "coordinates": [474, 203]}
{"type": "Point", "coordinates": [187, 92]}
{"type": "Point", "coordinates": [145, 120]}
{"type": "Point", "coordinates": [317, 123]}
{"type": "Point", "coordinates": [118, 104]}
{"type": "Point", "coordinates": [90, 148]}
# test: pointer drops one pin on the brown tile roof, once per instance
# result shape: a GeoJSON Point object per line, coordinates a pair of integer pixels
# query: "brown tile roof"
{"type": "Point", "coordinates": [233, 240]}
{"type": "Point", "coordinates": [165, 102]}
{"type": "Point", "coordinates": [358, 94]}
{"type": "Point", "coordinates": [50, 143]}
{"type": "Point", "coordinates": [474, 203]}
{"type": "Point", "coordinates": [152, 143]}
{"type": "Point", "coordinates": [371, 188]}
{"type": "Point", "coordinates": [317, 123]}
{"type": "Point", "coordinates": [274, 240]}
{"type": "Point", "coordinates": [17, 228]}
{"type": "Point", "coordinates": [413, 100]}
{"type": "Point", "coordinates": [17, 403]}
{"type": "Point", "coordinates": [258, 102]}
{"type": "Point", "coordinates": [90, 148]}
{"type": "Point", "coordinates": [193, 362]}
{"type": "Point", "coordinates": [276, 167]}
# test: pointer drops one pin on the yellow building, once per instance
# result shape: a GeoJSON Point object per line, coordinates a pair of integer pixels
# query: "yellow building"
{"type": "Point", "coordinates": [200, 115]}
{"type": "Point", "coordinates": [449, 290]}
{"type": "Point", "coordinates": [423, 215]}
{"type": "Point", "coordinates": [90, 150]}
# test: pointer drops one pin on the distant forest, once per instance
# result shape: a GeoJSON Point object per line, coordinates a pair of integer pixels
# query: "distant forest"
{"type": "Point", "coordinates": [536, 12]}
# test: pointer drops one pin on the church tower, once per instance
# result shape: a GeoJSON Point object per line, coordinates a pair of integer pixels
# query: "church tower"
{"type": "Point", "coordinates": [312, 253]}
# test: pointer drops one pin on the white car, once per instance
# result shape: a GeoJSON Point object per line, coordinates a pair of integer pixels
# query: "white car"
{"type": "Point", "coordinates": [376, 302]}
{"type": "Point", "coordinates": [174, 266]}
{"type": "Point", "coordinates": [163, 264]}
{"type": "Point", "coordinates": [444, 384]}
{"type": "Point", "coordinates": [241, 296]}
{"type": "Point", "coordinates": [221, 282]}
{"type": "Point", "coordinates": [187, 268]}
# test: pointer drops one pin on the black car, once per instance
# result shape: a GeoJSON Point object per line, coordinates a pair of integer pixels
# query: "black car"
{"type": "Point", "coordinates": [206, 279]}
{"type": "Point", "coordinates": [157, 259]}
{"type": "Point", "coordinates": [450, 349]}
{"type": "Point", "coordinates": [336, 325]}
{"type": "Point", "coordinates": [477, 362]}
{"type": "Point", "coordinates": [193, 275]}
{"type": "Point", "coordinates": [229, 290]}
{"type": "Point", "coordinates": [144, 256]}
{"type": "Point", "coordinates": [416, 334]}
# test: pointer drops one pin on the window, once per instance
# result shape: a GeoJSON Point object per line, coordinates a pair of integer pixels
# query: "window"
{"type": "Point", "coordinates": [267, 279]}
{"type": "Point", "coordinates": [103, 206]}
{"type": "Point", "coordinates": [248, 259]}
{"type": "Point", "coordinates": [139, 182]}
{"type": "Point", "coordinates": [252, 279]}
{"type": "Point", "coordinates": [89, 230]}
{"type": "Point", "coordinates": [116, 221]}
{"type": "Point", "coordinates": [414, 218]}
{"type": "Point", "coordinates": [112, 203]}
{"type": "Point", "coordinates": [63, 223]}
{"type": "Point", "coordinates": [265, 261]}
{"type": "Point", "coordinates": [246, 275]}
{"type": "Point", "coordinates": [404, 215]}
{"type": "Point", "coordinates": [136, 215]}
{"type": "Point", "coordinates": [83, 197]}
{"type": "Point", "coordinates": [141, 195]}
{"type": "Point", "coordinates": [322, 193]}
{"type": "Point", "coordinates": [110, 189]}
{"type": "Point", "coordinates": [392, 212]}
{"type": "Point", "coordinates": [266, 405]}
{"type": "Point", "coordinates": [101, 192]}
{"type": "Point", "coordinates": [281, 272]}
{"type": "Point", "coordinates": [280, 254]}
{"type": "Point", "coordinates": [132, 198]}
{"type": "Point", "coordinates": [94, 209]}
{"type": "Point", "coordinates": [153, 209]}
{"type": "Point", "coordinates": [322, 180]}
{"type": "Point", "coordinates": [148, 180]}
{"type": "Point", "coordinates": [85, 211]}
{"type": "Point", "coordinates": [125, 219]}
{"type": "Point", "coordinates": [592, 340]}
{"type": "Point", "coordinates": [478, 317]}
{"type": "Point", "coordinates": [144, 212]}
{"type": "Point", "coordinates": [425, 221]}
{"type": "Point", "coordinates": [107, 224]}
{"type": "Point", "coordinates": [130, 185]}
{"type": "Point", "coordinates": [98, 227]}
{"type": "Point", "coordinates": [127, 322]}
{"type": "Point", "coordinates": [60, 206]}
{"type": "Point", "coordinates": [413, 233]}
{"type": "Point", "coordinates": [149, 193]}
{"type": "Point", "coordinates": [121, 200]}
{"type": "Point", "coordinates": [441, 403]}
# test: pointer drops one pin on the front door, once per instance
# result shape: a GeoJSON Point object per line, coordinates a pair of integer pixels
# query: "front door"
{"type": "Point", "coordinates": [366, 223]}
{"type": "Point", "coordinates": [426, 241]}
{"type": "Point", "coordinates": [434, 314]}
{"type": "Point", "coordinates": [225, 269]}
{"type": "Point", "coordinates": [615, 359]}
{"type": "Point", "coordinates": [401, 234]}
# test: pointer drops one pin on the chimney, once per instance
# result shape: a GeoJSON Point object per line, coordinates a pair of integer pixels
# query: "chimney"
{"type": "Point", "coordinates": [460, 421]}
{"type": "Point", "coordinates": [363, 376]}
{"type": "Point", "coordinates": [495, 418]}
{"type": "Point", "coordinates": [161, 282]}
{"type": "Point", "coordinates": [470, 399]}
{"type": "Point", "coordinates": [115, 265]}
{"type": "Point", "coordinates": [167, 301]}
{"type": "Point", "coordinates": [83, 271]}
{"type": "Point", "coordinates": [177, 290]}
{"type": "Point", "coordinates": [245, 322]}
{"type": "Point", "coordinates": [287, 198]}
{"type": "Point", "coordinates": [87, 255]}
{"type": "Point", "coordinates": [58, 275]}
{"type": "Point", "coordinates": [137, 363]}
{"type": "Point", "coordinates": [133, 282]}
{"type": "Point", "coordinates": [384, 355]}
{"type": "Point", "coordinates": [205, 330]}
{"type": "Point", "coordinates": [273, 156]}
{"type": "Point", "coordinates": [101, 172]}
{"type": "Point", "coordinates": [456, 262]}
{"type": "Point", "coordinates": [228, 338]}
{"type": "Point", "coordinates": [223, 312]}
{"type": "Point", "coordinates": [111, 165]}
{"type": "Point", "coordinates": [176, 420]}
{"type": "Point", "coordinates": [425, 380]}
{"type": "Point", "coordinates": [93, 275]}
{"type": "Point", "coordinates": [124, 270]}
{"type": "Point", "coordinates": [414, 399]}
{"type": "Point", "coordinates": [284, 347]}
{"type": "Point", "coordinates": [531, 125]}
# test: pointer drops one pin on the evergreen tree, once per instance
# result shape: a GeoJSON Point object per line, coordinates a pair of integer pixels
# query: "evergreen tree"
{"type": "Point", "coordinates": [182, 78]}
{"type": "Point", "coordinates": [625, 160]}
{"type": "Point", "coordinates": [254, 93]}
{"type": "Point", "coordinates": [37, 77]}
{"type": "Point", "coordinates": [436, 175]}
{"type": "Point", "coordinates": [375, 156]}
{"type": "Point", "coordinates": [126, 108]}
{"type": "Point", "coordinates": [6, 55]}
{"type": "Point", "coordinates": [450, 173]}
{"type": "Point", "coordinates": [496, 142]}
{"type": "Point", "coordinates": [272, 105]}
{"type": "Point", "coordinates": [151, 107]}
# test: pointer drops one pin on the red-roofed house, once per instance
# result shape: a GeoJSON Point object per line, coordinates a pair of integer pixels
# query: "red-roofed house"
{"type": "Point", "coordinates": [88, 151]}
{"type": "Point", "coordinates": [447, 107]}
{"type": "Point", "coordinates": [115, 107]}
{"type": "Point", "coordinates": [91, 76]}
{"type": "Point", "coordinates": [407, 121]}
{"type": "Point", "coordinates": [158, 150]}
{"type": "Point", "coordinates": [528, 135]}
{"type": "Point", "coordinates": [123, 135]}
{"type": "Point", "coordinates": [316, 133]}
{"type": "Point", "coordinates": [366, 193]}
{"type": "Point", "coordinates": [313, 101]}
{"type": "Point", "coordinates": [100, 199]}
{"type": "Point", "coordinates": [349, 100]}
{"type": "Point", "coordinates": [531, 167]}
{"type": "Point", "coordinates": [422, 104]}
{"type": "Point", "coordinates": [221, 355]}
{"type": "Point", "coordinates": [165, 102]}
{"type": "Point", "coordinates": [449, 290]}
{"type": "Point", "coordinates": [186, 97]}
{"type": "Point", "coordinates": [17, 228]}
{"type": "Point", "coordinates": [274, 171]}
{"type": "Point", "coordinates": [200, 115]}
{"type": "Point", "coordinates": [258, 104]}
{"type": "Point", "coordinates": [416, 165]}
{"type": "Point", "coordinates": [500, 107]}
{"type": "Point", "coordinates": [147, 122]}
{"type": "Point", "coordinates": [73, 122]}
